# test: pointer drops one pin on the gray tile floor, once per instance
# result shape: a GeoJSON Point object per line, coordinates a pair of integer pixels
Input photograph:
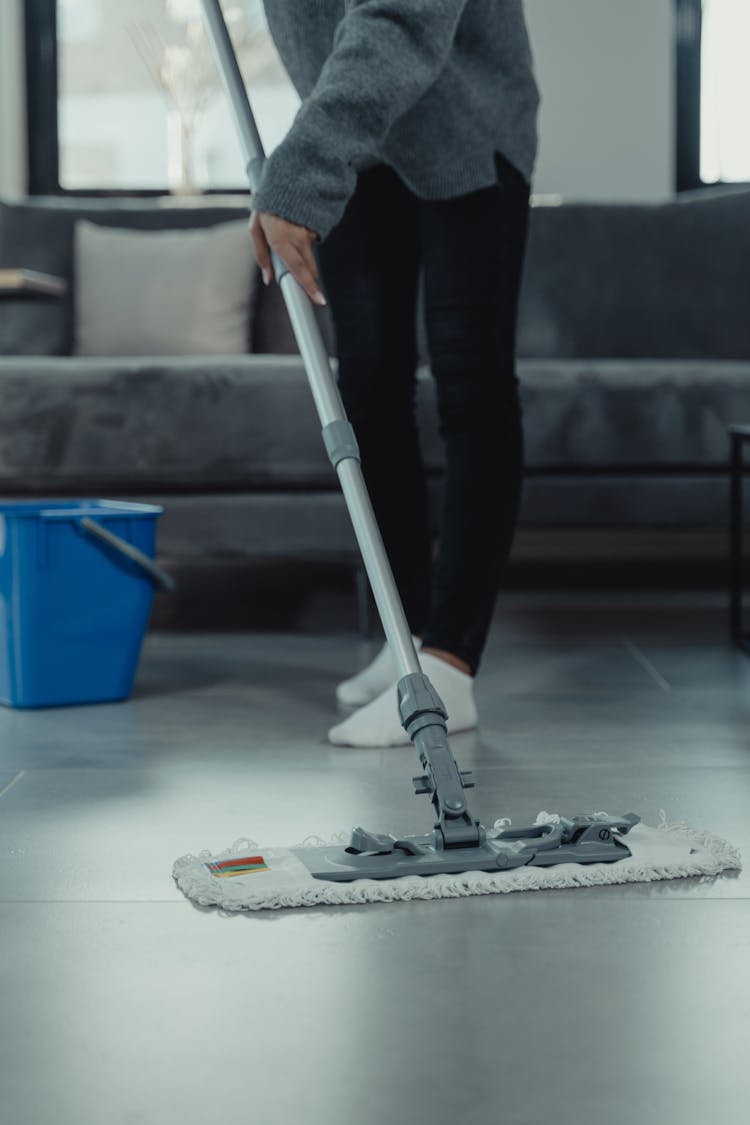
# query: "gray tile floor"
{"type": "Point", "coordinates": [121, 1002]}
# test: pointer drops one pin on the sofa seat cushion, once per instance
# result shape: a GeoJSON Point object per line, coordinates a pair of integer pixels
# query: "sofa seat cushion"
{"type": "Point", "coordinates": [249, 423]}
{"type": "Point", "coordinates": [632, 414]}
{"type": "Point", "coordinates": [162, 422]}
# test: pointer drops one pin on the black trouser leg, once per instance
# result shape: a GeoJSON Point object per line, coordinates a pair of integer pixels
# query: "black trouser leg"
{"type": "Point", "coordinates": [370, 269]}
{"type": "Point", "coordinates": [473, 249]}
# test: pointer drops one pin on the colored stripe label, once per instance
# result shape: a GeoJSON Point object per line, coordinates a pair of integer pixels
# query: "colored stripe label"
{"type": "Point", "coordinates": [243, 865]}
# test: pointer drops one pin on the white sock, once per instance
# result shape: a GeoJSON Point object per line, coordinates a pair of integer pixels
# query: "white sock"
{"type": "Point", "coordinates": [379, 723]}
{"type": "Point", "coordinates": [372, 680]}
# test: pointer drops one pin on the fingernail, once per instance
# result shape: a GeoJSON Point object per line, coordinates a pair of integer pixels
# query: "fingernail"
{"type": "Point", "coordinates": [319, 298]}
{"type": "Point", "coordinates": [266, 277]}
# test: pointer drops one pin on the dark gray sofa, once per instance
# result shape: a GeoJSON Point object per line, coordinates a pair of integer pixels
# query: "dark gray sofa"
{"type": "Point", "coordinates": [634, 355]}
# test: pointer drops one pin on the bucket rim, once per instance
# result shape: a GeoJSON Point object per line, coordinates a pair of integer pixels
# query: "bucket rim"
{"type": "Point", "coordinates": [76, 508]}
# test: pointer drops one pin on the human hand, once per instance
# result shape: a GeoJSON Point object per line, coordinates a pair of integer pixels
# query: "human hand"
{"type": "Point", "coordinates": [293, 244]}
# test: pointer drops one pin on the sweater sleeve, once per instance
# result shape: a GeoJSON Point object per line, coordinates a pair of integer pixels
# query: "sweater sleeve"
{"type": "Point", "coordinates": [386, 54]}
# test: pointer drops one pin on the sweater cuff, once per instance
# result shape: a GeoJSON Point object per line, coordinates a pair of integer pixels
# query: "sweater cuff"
{"type": "Point", "coordinates": [292, 193]}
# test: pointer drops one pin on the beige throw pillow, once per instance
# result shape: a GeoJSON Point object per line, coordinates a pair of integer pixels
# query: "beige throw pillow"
{"type": "Point", "coordinates": [176, 292]}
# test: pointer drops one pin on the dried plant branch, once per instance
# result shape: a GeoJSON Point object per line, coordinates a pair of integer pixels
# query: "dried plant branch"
{"type": "Point", "coordinates": [185, 72]}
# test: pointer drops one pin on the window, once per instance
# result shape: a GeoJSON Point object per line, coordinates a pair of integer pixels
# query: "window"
{"type": "Point", "coordinates": [725, 91]}
{"type": "Point", "coordinates": [713, 89]}
{"type": "Point", "coordinates": [126, 98]}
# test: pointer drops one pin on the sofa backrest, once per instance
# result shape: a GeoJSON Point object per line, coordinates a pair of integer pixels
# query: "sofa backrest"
{"type": "Point", "coordinates": [668, 280]}
{"type": "Point", "coordinates": [612, 281]}
{"type": "Point", "coordinates": [37, 234]}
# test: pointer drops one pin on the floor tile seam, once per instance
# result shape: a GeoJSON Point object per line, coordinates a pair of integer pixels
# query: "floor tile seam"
{"type": "Point", "coordinates": [12, 782]}
{"type": "Point", "coordinates": [642, 660]}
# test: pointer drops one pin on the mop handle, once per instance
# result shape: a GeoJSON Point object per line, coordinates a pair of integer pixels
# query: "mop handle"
{"type": "Point", "coordinates": [338, 434]}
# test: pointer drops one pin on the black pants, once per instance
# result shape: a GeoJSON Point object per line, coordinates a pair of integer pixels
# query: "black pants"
{"type": "Point", "coordinates": [471, 248]}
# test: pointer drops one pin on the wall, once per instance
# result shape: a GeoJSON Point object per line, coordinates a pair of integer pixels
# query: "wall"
{"type": "Point", "coordinates": [606, 72]}
{"type": "Point", "coordinates": [12, 115]}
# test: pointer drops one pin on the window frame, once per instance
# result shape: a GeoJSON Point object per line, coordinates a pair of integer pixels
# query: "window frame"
{"type": "Point", "coordinates": [688, 18]}
{"type": "Point", "coordinates": [42, 125]}
{"type": "Point", "coordinates": [40, 29]}
{"type": "Point", "coordinates": [40, 25]}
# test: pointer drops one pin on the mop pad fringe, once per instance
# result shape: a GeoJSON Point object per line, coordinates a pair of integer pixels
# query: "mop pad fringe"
{"type": "Point", "coordinates": [669, 851]}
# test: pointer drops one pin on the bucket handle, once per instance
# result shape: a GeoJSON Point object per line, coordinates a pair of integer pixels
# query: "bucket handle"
{"type": "Point", "coordinates": [154, 570]}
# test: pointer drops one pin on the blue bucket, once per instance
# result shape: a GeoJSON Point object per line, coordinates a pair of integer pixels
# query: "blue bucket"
{"type": "Point", "coordinates": [76, 589]}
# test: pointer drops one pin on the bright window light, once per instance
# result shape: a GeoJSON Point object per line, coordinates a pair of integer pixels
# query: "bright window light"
{"type": "Point", "coordinates": [725, 91]}
{"type": "Point", "coordinates": [140, 102]}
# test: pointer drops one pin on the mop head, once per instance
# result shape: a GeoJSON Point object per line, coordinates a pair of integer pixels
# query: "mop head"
{"type": "Point", "coordinates": [249, 877]}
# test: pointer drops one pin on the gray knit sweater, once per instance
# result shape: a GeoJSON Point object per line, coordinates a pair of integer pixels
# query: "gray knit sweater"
{"type": "Point", "coordinates": [430, 87]}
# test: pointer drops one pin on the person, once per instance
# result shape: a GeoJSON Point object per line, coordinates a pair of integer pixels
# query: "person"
{"type": "Point", "coordinates": [413, 150]}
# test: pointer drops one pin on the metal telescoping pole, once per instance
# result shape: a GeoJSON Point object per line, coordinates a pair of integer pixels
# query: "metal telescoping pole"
{"type": "Point", "coordinates": [338, 434]}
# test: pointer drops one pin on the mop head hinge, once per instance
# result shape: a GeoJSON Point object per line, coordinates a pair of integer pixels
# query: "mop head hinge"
{"type": "Point", "coordinates": [424, 783]}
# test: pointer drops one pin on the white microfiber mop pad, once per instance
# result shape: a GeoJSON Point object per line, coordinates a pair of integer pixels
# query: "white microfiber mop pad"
{"type": "Point", "coordinates": [273, 878]}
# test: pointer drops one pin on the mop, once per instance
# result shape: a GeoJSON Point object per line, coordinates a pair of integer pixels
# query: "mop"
{"type": "Point", "coordinates": [460, 856]}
